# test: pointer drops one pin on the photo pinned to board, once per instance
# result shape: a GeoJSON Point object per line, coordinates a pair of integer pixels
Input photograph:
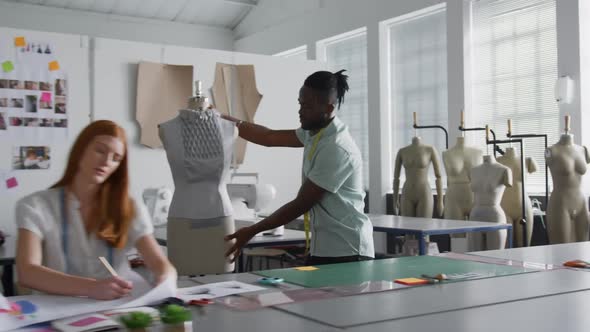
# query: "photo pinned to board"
{"type": "Point", "coordinates": [46, 123]}
{"type": "Point", "coordinates": [31, 85]}
{"type": "Point", "coordinates": [16, 121]}
{"type": "Point", "coordinates": [31, 103]}
{"type": "Point", "coordinates": [16, 102]}
{"type": "Point", "coordinates": [45, 86]}
{"type": "Point", "coordinates": [16, 84]}
{"type": "Point", "coordinates": [60, 87]}
{"type": "Point", "coordinates": [60, 104]}
{"type": "Point", "coordinates": [60, 123]}
{"type": "Point", "coordinates": [31, 122]}
{"type": "Point", "coordinates": [3, 84]}
{"type": "Point", "coordinates": [31, 157]}
{"type": "Point", "coordinates": [3, 124]}
{"type": "Point", "coordinates": [3, 102]}
{"type": "Point", "coordinates": [45, 103]}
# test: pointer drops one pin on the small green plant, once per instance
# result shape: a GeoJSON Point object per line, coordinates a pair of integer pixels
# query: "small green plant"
{"type": "Point", "coordinates": [175, 314]}
{"type": "Point", "coordinates": [136, 320]}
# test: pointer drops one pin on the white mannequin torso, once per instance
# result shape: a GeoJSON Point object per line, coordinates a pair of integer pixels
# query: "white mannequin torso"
{"type": "Point", "coordinates": [512, 199]}
{"type": "Point", "coordinates": [488, 182]}
{"type": "Point", "coordinates": [199, 146]}
{"type": "Point", "coordinates": [200, 166]}
{"type": "Point", "coordinates": [458, 162]}
{"type": "Point", "coordinates": [417, 200]}
{"type": "Point", "coordinates": [567, 211]}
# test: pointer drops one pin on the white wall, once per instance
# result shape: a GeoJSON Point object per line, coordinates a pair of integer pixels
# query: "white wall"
{"type": "Point", "coordinates": [72, 54]}
{"type": "Point", "coordinates": [24, 16]}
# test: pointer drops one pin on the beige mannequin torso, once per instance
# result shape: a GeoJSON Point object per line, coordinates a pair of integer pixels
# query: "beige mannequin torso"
{"type": "Point", "coordinates": [512, 199]}
{"type": "Point", "coordinates": [458, 162]}
{"type": "Point", "coordinates": [488, 182]}
{"type": "Point", "coordinates": [417, 198]}
{"type": "Point", "coordinates": [567, 211]}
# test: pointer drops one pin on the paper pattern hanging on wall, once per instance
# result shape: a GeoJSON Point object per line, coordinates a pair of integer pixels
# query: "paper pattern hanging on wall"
{"type": "Point", "coordinates": [235, 93]}
{"type": "Point", "coordinates": [33, 92]}
{"type": "Point", "coordinates": [162, 90]}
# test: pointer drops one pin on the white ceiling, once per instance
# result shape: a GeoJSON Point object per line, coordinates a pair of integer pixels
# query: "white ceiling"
{"type": "Point", "coordinates": [217, 13]}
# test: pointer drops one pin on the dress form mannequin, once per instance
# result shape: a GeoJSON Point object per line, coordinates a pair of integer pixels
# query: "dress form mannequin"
{"type": "Point", "coordinates": [199, 145]}
{"type": "Point", "coordinates": [458, 162]}
{"type": "Point", "coordinates": [417, 198]}
{"type": "Point", "coordinates": [512, 198]}
{"type": "Point", "coordinates": [567, 211]}
{"type": "Point", "coordinates": [488, 182]}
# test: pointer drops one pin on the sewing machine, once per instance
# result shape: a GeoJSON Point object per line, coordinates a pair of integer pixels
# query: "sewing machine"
{"type": "Point", "coordinates": [157, 201]}
{"type": "Point", "coordinates": [248, 199]}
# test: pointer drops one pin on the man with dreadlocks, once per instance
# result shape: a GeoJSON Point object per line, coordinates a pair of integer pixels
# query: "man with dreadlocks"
{"type": "Point", "coordinates": [331, 197]}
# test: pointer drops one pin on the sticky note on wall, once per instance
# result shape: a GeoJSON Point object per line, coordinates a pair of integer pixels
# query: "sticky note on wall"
{"type": "Point", "coordinates": [11, 182]}
{"type": "Point", "coordinates": [7, 66]}
{"type": "Point", "coordinates": [20, 42]}
{"type": "Point", "coordinates": [46, 96]}
{"type": "Point", "coordinates": [53, 65]}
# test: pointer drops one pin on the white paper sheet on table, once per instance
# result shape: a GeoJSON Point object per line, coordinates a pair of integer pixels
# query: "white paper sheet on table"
{"type": "Point", "coordinates": [215, 290]}
{"type": "Point", "coordinates": [4, 304]}
{"type": "Point", "coordinates": [51, 307]}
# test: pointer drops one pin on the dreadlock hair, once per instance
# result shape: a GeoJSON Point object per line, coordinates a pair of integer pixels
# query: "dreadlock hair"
{"type": "Point", "coordinates": [331, 86]}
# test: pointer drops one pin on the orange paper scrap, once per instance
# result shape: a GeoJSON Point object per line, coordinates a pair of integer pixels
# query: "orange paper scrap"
{"type": "Point", "coordinates": [411, 281]}
{"type": "Point", "coordinates": [20, 42]}
{"type": "Point", "coordinates": [306, 268]}
{"type": "Point", "coordinates": [53, 65]}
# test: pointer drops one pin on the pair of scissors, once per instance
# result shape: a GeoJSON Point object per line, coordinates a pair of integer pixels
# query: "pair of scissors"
{"type": "Point", "coordinates": [270, 281]}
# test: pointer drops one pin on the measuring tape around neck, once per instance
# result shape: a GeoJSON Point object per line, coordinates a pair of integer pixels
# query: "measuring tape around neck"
{"type": "Point", "coordinates": [306, 218]}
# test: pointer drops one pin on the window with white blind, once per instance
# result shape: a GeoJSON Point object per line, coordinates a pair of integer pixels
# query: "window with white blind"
{"type": "Point", "coordinates": [514, 68]}
{"type": "Point", "coordinates": [349, 51]}
{"type": "Point", "coordinates": [297, 53]}
{"type": "Point", "coordinates": [418, 78]}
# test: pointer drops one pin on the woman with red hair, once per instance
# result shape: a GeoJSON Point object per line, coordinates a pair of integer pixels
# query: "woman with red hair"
{"type": "Point", "coordinates": [88, 213]}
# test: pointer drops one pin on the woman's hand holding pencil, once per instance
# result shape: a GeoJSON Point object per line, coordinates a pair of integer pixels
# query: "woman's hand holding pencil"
{"type": "Point", "coordinates": [111, 288]}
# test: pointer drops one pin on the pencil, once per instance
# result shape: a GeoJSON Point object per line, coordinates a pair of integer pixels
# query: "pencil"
{"type": "Point", "coordinates": [108, 266]}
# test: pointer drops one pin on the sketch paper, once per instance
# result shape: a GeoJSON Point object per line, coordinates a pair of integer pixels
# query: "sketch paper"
{"type": "Point", "coordinates": [162, 90]}
{"type": "Point", "coordinates": [234, 93]}
{"type": "Point", "coordinates": [52, 307]}
{"type": "Point", "coordinates": [215, 290]}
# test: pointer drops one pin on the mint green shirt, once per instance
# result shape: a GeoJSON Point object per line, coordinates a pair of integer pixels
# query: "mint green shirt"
{"type": "Point", "coordinates": [339, 226]}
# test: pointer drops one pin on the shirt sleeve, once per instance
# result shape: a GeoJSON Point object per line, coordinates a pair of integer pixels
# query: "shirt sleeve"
{"type": "Point", "coordinates": [300, 135]}
{"type": "Point", "coordinates": [142, 224]}
{"type": "Point", "coordinates": [332, 166]}
{"type": "Point", "coordinates": [29, 216]}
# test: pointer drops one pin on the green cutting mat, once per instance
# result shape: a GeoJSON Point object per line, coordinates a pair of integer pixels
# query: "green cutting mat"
{"type": "Point", "coordinates": [387, 269]}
